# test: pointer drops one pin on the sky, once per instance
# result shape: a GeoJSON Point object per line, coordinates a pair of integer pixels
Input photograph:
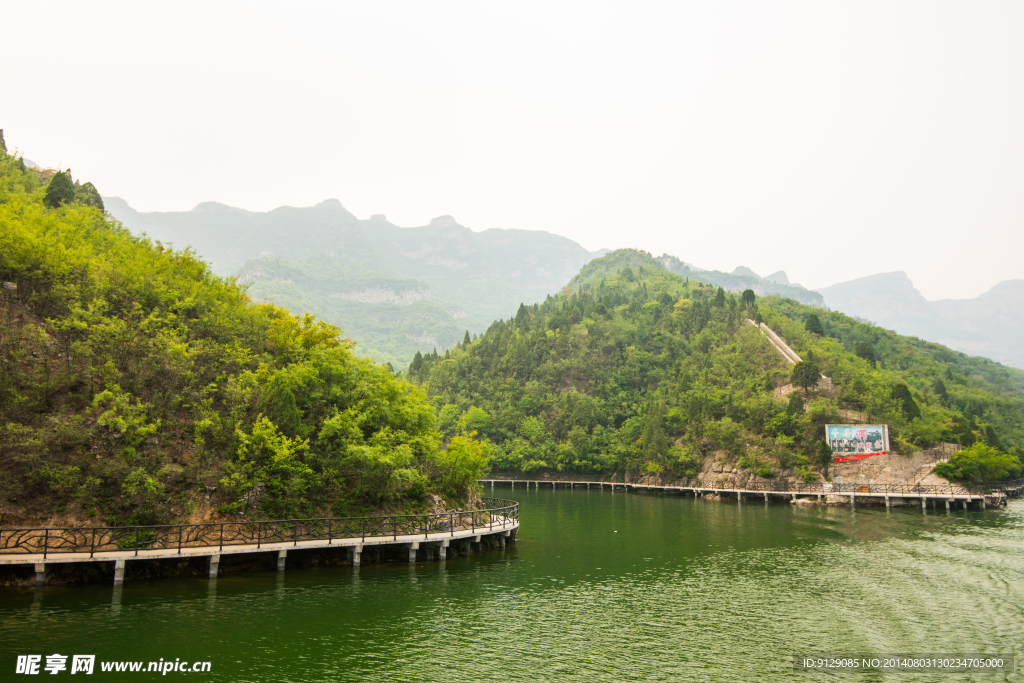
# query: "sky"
{"type": "Point", "coordinates": [832, 140]}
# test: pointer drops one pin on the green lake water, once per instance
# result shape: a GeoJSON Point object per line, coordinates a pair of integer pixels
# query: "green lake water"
{"type": "Point", "coordinates": [601, 586]}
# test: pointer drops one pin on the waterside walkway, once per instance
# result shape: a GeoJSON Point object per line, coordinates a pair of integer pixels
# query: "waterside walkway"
{"type": "Point", "coordinates": [951, 495]}
{"type": "Point", "coordinates": [44, 547]}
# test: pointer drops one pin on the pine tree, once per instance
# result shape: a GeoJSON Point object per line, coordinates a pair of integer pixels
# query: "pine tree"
{"type": "Point", "coordinates": [522, 313]}
{"type": "Point", "coordinates": [60, 190]}
{"type": "Point", "coordinates": [901, 394]}
{"type": "Point", "coordinates": [813, 325]}
{"type": "Point", "coordinates": [720, 298]}
{"type": "Point", "coordinates": [417, 362]}
{"type": "Point", "coordinates": [88, 194]}
{"type": "Point", "coordinates": [864, 350]}
{"type": "Point", "coordinates": [796, 404]}
{"type": "Point", "coordinates": [465, 340]}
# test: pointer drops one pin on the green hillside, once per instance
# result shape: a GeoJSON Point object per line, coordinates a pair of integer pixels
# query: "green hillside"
{"type": "Point", "coordinates": [139, 387]}
{"type": "Point", "coordinates": [638, 369]}
{"type": "Point", "coordinates": [324, 259]}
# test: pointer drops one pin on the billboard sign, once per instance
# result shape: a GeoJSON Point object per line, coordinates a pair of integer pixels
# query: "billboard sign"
{"type": "Point", "coordinates": [850, 442]}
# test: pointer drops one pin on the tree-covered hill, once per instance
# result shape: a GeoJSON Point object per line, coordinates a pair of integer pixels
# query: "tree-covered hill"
{"type": "Point", "coordinates": [638, 369]}
{"type": "Point", "coordinates": [136, 386]}
{"type": "Point", "coordinates": [320, 259]}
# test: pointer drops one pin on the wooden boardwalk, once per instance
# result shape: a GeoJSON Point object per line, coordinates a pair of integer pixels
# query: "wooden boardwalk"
{"type": "Point", "coordinates": [46, 547]}
{"type": "Point", "coordinates": [874, 494]}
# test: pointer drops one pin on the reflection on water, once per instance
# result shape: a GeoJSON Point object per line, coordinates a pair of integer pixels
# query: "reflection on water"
{"type": "Point", "coordinates": [600, 586]}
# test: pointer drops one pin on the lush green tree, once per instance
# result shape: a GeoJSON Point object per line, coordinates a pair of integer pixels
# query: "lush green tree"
{"type": "Point", "coordinates": [60, 190]}
{"type": "Point", "coordinates": [796, 405]}
{"type": "Point", "coordinates": [824, 453]}
{"type": "Point", "coordinates": [87, 194]}
{"type": "Point", "coordinates": [864, 350]}
{"type": "Point", "coordinates": [720, 298]}
{"type": "Point", "coordinates": [466, 340]}
{"type": "Point", "coordinates": [980, 464]}
{"type": "Point", "coordinates": [748, 298]}
{"type": "Point", "coordinates": [805, 374]}
{"type": "Point", "coordinates": [813, 325]}
{"type": "Point", "coordinates": [901, 394]}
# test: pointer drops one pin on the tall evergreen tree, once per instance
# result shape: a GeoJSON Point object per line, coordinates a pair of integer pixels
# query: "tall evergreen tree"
{"type": "Point", "coordinates": [901, 394]}
{"type": "Point", "coordinates": [60, 190]}
{"type": "Point", "coordinates": [466, 340]}
{"type": "Point", "coordinates": [864, 350]}
{"type": "Point", "coordinates": [813, 325]}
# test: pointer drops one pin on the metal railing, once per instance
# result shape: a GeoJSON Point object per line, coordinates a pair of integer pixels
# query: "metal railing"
{"type": "Point", "coordinates": [827, 487]}
{"type": "Point", "coordinates": [497, 513]}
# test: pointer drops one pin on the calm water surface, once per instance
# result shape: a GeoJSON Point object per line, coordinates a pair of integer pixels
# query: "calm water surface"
{"type": "Point", "coordinates": [601, 586]}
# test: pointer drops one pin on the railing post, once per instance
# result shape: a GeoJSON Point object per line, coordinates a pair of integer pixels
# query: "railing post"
{"type": "Point", "coordinates": [92, 548]}
{"type": "Point", "coordinates": [222, 535]}
{"type": "Point", "coordinates": [136, 541]}
{"type": "Point", "coordinates": [181, 532]}
{"type": "Point", "coordinates": [46, 543]}
{"type": "Point", "coordinates": [295, 532]}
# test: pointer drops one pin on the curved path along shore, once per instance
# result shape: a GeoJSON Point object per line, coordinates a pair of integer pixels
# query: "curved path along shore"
{"type": "Point", "coordinates": [952, 494]}
{"type": "Point", "coordinates": [43, 547]}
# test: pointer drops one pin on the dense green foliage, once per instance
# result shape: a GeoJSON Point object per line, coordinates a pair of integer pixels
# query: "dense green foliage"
{"type": "Point", "coordinates": [979, 464]}
{"type": "Point", "coordinates": [639, 369]}
{"type": "Point", "coordinates": [139, 387]}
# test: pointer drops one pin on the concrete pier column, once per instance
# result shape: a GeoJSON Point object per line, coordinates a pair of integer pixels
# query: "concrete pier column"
{"type": "Point", "coordinates": [887, 502]}
{"type": "Point", "coordinates": [118, 572]}
{"type": "Point", "coordinates": [413, 547]}
{"type": "Point", "coordinates": [357, 550]}
{"type": "Point", "coordinates": [501, 540]}
{"type": "Point", "coordinates": [739, 496]}
{"type": "Point", "coordinates": [984, 503]}
{"type": "Point", "coordinates": [281, 556]}
{"type": "Point", "coordinates": [443, 550]}
{"type": "Point", "coordinates": [924, 503]}
{"type": "Point", "coordinates": [853, 499]}
{"type": "Point", "coordinates": [967, 504]}
{"type": "Point", "coordinates": [474, 544]}
{"type": "Point", "coordinates": [41, 573]}
{"type": "Point", "coordinates": [214, 567]}
{"type": "Point", "coordinates": [765, 496]}
{"type": "Point", "coordinates": [947, 505]}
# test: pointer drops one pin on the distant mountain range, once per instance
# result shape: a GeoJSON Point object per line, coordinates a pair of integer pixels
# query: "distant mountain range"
{"type": "Point", "coordinates": [394, 290]}
{"type": "Point", "coordinates": [744, 278]}
{"type": "Point", "coordinates": [991, 325]}
{"type": "Point", "coordinates": [398, 290]}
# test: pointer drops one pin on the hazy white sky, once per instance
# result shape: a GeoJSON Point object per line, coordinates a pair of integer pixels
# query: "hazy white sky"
{"type": "Point", "coordinates": [831, 140]}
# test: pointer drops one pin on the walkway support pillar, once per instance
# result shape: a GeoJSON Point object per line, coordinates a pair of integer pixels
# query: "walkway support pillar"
{"type": "Point", "coordinates": [766, 497]}
{"type": "Point", "coordinates": [357, 550]}
{"type": "Point", "coordinates": [984, 503]}
{"type": "Point", "coordinates": [947, 505]}
{"type": "Point", "coordinates": [924, 502]}
{"type": "Point", "coordinates": [214, 567]}
{"type": "Point", "coordinates": [41, 574]}
{"type": "Point", "coordinates": [443, 550]}
{"type": "Point", "coordinates": [119, 572]}
{"type": "Point", "coordinates": [413, 547]}
{"type": "Point", "coordinates": [887, 502]}
{"type": "Point", "coordinates": [281, 556]}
